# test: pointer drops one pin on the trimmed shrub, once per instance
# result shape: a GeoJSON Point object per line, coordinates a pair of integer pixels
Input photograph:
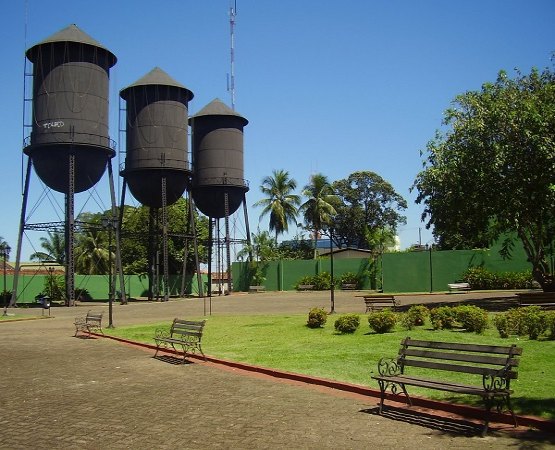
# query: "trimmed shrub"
{"type": "Point", "coordinates": [349, 278]}
{"type": "Point", "coordinates": [480, 278]}
{"type": "Point", "coordinates": [535, 321]}
{"type": "Point", "coordinates": [347, 323]}
{"type": "Point", "coordinates": [322, 281]}
{"type": "Point", "coordinates": [531, 321]}
{"type": "Point", "coordinates": [442, 317]}
{"type": "Point", "coordinates": [472, 318]}
{"type": "Point", "coordinates": [382, 321]}
{"type": "Point", "coordinates": [501, 322]}
{"type": "Point", "coordinates": [550, 320]}
{"type": "Point", "coordinates": [415, 316]}
{"type": "Point", "coordinates": [317, 318]}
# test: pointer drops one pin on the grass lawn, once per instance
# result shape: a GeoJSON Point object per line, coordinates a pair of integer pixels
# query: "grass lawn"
{"type": "Point", "coordinates": [286, 343]}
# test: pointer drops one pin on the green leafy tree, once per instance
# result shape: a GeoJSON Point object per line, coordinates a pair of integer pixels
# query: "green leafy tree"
{"type": "Point", "coordinates": [492, 171]}
{"type": "Point", "coordinates": [135, 238]}
{"type": "Point", "coordinates": [318, 210]}
{"type": "Point", "coordinates": [54, 249]}
{"type": "Point", "coordinates": [369, 210]}
{"type": "Point", "coordinates": [281, 202]}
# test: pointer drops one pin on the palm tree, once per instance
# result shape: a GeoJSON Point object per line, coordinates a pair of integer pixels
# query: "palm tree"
{"type": "Point", "coordinates": [318, 209]}
{"type": "Point", "coordinates": [280, 202]}
{"type": "Point", "coordinates": [92, 254]}
{"type": "Point", "coordinates": [54, 249]}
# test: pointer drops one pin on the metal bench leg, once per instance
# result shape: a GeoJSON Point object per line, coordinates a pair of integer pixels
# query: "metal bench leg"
{"type": "Point", "coordinates": [382, 394]}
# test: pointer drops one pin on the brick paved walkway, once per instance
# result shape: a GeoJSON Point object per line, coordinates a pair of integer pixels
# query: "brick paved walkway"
{"type": "Point", "coordinates": [61, 392]}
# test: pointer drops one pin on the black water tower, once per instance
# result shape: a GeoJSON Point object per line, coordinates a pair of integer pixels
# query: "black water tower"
{"type": "Point", "coordinates": [70, 109]}
{"type": "Point", "coordinates": [157, 113]}
{"type": "Point", "coordinates": [217, 140]}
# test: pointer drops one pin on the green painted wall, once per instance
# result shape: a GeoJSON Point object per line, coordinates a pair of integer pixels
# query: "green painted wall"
{"type": "Point", "coordinates": [30, 286]}
{"type": "Point", "coordinates": [426, 271]}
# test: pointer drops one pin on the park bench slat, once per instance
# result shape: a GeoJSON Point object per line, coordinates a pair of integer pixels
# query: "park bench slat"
{"type": "Point", "coordinates": [186, 334]}
{"type": "Point", "coordinates": [495, 365]}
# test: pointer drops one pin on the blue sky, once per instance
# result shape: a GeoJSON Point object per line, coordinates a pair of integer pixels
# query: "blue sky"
{"type": "Point", "coordinates": [330, 87]}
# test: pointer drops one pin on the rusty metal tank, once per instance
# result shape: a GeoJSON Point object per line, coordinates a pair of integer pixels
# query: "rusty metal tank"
{"type": "Point", "coordinates": [70, 109]}
{"type": "Point", "coordinates": [217, 141]}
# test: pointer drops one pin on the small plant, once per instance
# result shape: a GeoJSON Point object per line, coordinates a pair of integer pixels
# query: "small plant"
{"type": "Point", "coordinates": [349, 278]}
{"type": "Point", "coordinates": [5, 297]}
{"type": "Point", "coordinates": [501, 322]}
{"type": "Point", "coordinates": [481, 278]}
{"type": "Point", "coordinates": [472, 318]}
{"type": "Point", "coordinates": [535, 321]}
{"type": "Point", "coordinates": [317, 318]}
{"type": "Point", "coordinates": [442, 317]}
{"type": "Point", "coordinates": [322, 281]}
{"type": "Point", "coordinates": [347, 323]}
{"type": "Point", "coordinates": [415, 316]}
{"type": "Point", "coordinates": [531, 321]}
{"type": "Point", "coordinates": [382, 321]}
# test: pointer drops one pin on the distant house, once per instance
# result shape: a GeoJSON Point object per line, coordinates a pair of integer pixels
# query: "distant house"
{"type": "Point", "coordinates": [345, 253]}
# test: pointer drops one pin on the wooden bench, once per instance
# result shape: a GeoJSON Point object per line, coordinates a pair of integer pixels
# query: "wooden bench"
{"type": "Point", "coordinates": [376, 302]}
{"type": "Point", "coordinates": [458, 287]}
{"type": "Point", "coordinates": [543, 299]}
{"type": "Point", "coordinates": [495, 366]}
{"type": "Point", "coordinates": [186, 334]}
{"type": "Point", "coordinates": [91, 323]}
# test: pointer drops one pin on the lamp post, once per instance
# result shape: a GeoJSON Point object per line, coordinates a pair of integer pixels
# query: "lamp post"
{"type": "Point", "coordinates": [109, 224]}
{"type": "Point", "coordinates": [5, 252]}
{"type": "Point", "coordinates": [329, 232]}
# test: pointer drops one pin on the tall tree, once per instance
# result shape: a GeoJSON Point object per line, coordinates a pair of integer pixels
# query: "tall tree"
{"type": "Point", "coordinates": [369, 211]}
{"type": "Point", "coordinates": [492, 171]}
{"type": "Point", "coordinates": [281, 202]}
{"type": "Point", "coordinates": [318, 210]}
{"type": "Point", "coordinates": [54, 249]}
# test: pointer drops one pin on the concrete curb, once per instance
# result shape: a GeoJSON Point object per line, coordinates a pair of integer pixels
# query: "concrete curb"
{"type": "Point", "coordinates": [460, 410]}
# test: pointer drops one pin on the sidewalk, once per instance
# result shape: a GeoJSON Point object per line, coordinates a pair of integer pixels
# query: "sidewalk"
{"type": "Point", "coordinates": [57, 391]}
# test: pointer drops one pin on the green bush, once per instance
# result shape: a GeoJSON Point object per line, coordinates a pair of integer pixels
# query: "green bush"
{"type": "Point", "coordinates": [472, 318]}
{"type": "Point", "coordinates": [535, 321]}
{"type": "Point", "coordinates": [5, 297]}
{"type": "Point", "coordinates": [501, 322]}
{"type": "Point", "coordinates": [322, 281]}
{"type": "Point", "coordinates": [382, 321]}
{"type": "Point", "coordinates": [317, 318]}
{"type": "Point", "coordinates": [550, 320]}
{"type": "Point", "coordinates": [442, 317]}
{"type": "Point", "coordinates": [415, 316]}
{"type": "Point", "coordinates": [347, 323]}
{"type": "Point", "coordinates": [531, 321]}
{"type": "Point", "coordinates": [349, 278]}
{"type": "Point", "coordinates": [480, 278]}
{"type": "Point", "coordinates": [304, 281]}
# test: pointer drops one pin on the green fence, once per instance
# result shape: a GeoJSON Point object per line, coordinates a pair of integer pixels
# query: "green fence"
{"type": "Point", "coordinates": [426, 271]}
{"type": "Point", "coordinates": [30, 285]}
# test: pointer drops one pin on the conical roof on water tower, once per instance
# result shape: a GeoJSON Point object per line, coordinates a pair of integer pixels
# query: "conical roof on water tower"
{"type": "Point", "coordinates": [156, 138]}
{"type": "Point", "coordinates": [70, 109]}
{"type": "Point", "coordinates": [217, 139]}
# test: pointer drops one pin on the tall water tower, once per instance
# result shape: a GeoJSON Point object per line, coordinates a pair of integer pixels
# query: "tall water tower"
{"type": "Point", "coordinates": [219, 186]}
{"type": "Point", "coordinates": [157, 168]}
{"type": "Point", "coordinates": [69, 145]}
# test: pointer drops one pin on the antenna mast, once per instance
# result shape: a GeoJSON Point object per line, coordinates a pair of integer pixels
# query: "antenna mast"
{"type": "Point", "coordinates": [231, 84]}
